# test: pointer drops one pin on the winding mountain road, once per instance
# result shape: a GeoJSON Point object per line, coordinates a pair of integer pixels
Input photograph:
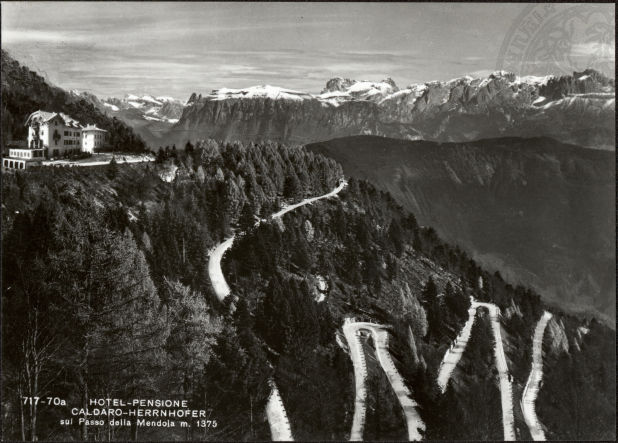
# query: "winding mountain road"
{"type": "Point", "coordinates": [352, 335]}
{"type": "Point", "coordinates": [277, 417]}
{"type": "Point", "coordinates": [275, 411]}
{"type": "Point", "coordinates": [308, 201]}
{"type": "Point", "coordinates": [351, 331]}
{"type": "Point", "coordinates": [453, 355]}
{"type": "Point", "coordinates": [215, 272]}
{"type": "Point", "coordinates": [222, 289]}
{"type": "Point", "coordinates": [531, 391]}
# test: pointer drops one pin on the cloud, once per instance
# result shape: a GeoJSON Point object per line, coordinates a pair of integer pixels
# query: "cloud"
{"type": "Point", "coordinates": [475, 58]}
{"type": "Point", "coordinates": [34, 36]}
{"type": "Point", "coordinates": [166, 48]}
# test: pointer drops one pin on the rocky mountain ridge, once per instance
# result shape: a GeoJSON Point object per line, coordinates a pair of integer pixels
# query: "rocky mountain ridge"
{"type": "Point", "coordinates": [578, 109]}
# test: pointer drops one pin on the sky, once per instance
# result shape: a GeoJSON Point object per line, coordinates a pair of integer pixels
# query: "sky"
{"type": "Point", "coordinates": [160, 48]}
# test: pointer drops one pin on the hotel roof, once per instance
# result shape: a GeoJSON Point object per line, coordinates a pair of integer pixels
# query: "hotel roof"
{"type": "Point", "coordinates": [45, 116]}
{"type": "Point", "coordinates": [92, 128]}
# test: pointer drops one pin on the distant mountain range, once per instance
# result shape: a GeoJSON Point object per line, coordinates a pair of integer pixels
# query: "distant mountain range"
{"type": "Point", "coordinates": [162, 109]}
{"type": "Point", "coordinates": [151, 117]}
{"type": "Point", "coordinates": [577, 109]}
{"type": "Point", "coordinates": [540, 211]}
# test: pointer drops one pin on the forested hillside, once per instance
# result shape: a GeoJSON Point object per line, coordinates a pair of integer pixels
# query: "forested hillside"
{"type": "Point", "coordinates": [24, 91]}
{"type": "Point", "coordinates": [538, 210]}
{"type": "Point", "coordinates": [106, 294]}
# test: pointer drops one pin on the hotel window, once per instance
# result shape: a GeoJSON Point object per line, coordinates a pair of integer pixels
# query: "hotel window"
{"type": "Point", "coordinates": [66, 133]}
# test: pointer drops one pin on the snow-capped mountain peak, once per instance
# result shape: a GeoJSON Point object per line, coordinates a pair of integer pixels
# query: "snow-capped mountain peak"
{"type": "Point", "coordinates": [165, 98]}
{"type": "Point", "coordinates": [262, 91]}
{"type": "Point", "coordinates": [111, 106]}
{"type": "Point", "coordinates": [358, 89]}
{"type": "Point", "coordinates": [451, 110]}
{"type": "Point", "coordinates": [150, 99]}
{"type": "Point", "coordinates": [164, 109]}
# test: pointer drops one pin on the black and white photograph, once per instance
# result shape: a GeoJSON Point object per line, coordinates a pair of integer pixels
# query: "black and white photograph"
{"type": "Point", "coordinates": [308, 221]}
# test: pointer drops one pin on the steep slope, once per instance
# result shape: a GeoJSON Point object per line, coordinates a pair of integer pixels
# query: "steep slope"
{"type": "Point", "coordinates": [539, 211]}
{"type": "Point", "coordinates": [268, 114]}
{"type": "Point", "coordinates": [24, 91]}
{"type": "Point", "coordinates": [578, 109]}
{"type": "Point", "coordinates": [375, 264]}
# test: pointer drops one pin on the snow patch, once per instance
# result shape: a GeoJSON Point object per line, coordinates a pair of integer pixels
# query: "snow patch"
{"type": "Point", "coordinates": [156, 119]}
{"type": "Point", "coordinates": [334, 98]}
{"type": "Point", "coordinates": [414, 91]}
{"type": "Point", "coordinates": [264, 91]}
{"type": "Point", "coordinates": [370, 88]}
{"type": "Point", "coordinates": [582, 330]}
{"type": "Point", "coordinates": [149, 99]}
{"type": "Point", "coordinates": [113, 107]}
{"type": "Point", "coordinates": [165, 98]}
{"type": "Point", "coordinates": [534, 80]}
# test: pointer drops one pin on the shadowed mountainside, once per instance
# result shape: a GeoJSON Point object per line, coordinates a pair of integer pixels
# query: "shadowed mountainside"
{"type": "Point", "coordinates": [539, 211]}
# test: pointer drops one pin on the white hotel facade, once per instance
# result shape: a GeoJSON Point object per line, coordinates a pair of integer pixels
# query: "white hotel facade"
{"type": "Point", "coordinates": [53, 135]}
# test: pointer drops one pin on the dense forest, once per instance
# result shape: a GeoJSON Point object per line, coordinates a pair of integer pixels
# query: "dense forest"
{"type": "Point", "coordinates": [106, 294]}
{"type": "Point", "coordinates": [24, 91]}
